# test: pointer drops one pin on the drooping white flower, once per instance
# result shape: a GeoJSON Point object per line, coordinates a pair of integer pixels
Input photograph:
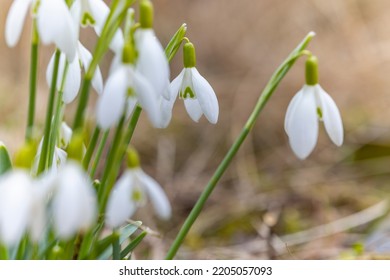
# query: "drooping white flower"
{"type": "Point", "coordinates": [198, 95]}
{"type": "Point", "coordinates": [94, 13]}
{"type": "Point", "coordinates": [124, 88]}
{"type": "Point", "coordinates": [15, 205]}
{"type": "Point", "coordinates": [59, 157]}
{"type": "Point", "coordinates": [74, 201]}
{"type": "Point", "coordinates": [54, 23]}
{"type": "Point", "coordinates": [310, 105]}
{"type": "Point", "coordinates": [152, 62]}
{"type": "Point", "coordinates": [130, 192]}
{"type": "Point", "coordinates": [71, 85]}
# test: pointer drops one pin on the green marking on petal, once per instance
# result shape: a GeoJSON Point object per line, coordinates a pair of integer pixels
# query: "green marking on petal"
{"type": "Point", "coordinates": [87, 19]}
{"type": "Point", "coordinates": [130, 92]}
{"type": "Point", "coordinates": [319, 113]}
{"type": "Point", "coordinates": [35, 8]}
{"type": "Point", "coordinates": [188, 93]}
{"type": "Point", "coordinates": [136, 196]}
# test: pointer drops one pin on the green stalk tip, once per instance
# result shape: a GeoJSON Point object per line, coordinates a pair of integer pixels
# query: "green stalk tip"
{"type": "Point", "coordinates": [312, 70]}
{"type": "Point", "coordinates": [146, 14]}
{"type": "Point", "coordinates": [189, 56]}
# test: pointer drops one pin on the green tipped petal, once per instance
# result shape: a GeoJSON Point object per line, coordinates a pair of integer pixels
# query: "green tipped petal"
{"type": "Point", "coordinates": [5, 161]}
{"type": "Point", "coordinates": [312, 70]}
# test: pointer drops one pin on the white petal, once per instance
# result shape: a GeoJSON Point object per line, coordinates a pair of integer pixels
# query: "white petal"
{"type": "Point", "coordinates": [15, 205]}
{"type": "Point", "coordinates": [100, 12]}
{"type": "Point", "coordinates": [331, 116]}
{"type": "Point", "coordinates": [15, 20]}
{"type": "Point", "coordinates": [152, 62]}
{"type": "Point", "coordinates": [303, 125]}
{"type": "Point", "coordinates": [206, 96]}
{"type": "Point", "coordinates": [55, 25]}
{"type": "Point", "coordinates": [193, 108]}
{"type": "Point", "coordinates": [147, 99]}
{"type": "Point", "coordinates": [50, 69]}
{"type": "Point", "coordinates": [74, 204]}
{"type": "Point", "coordinates": [111, 103]}
{"type": "Point", "coordinates": [120, 207]}
{"type": "Point", "coordinates": [291, 108]}
{"type": "Point", "coordinates": [157, 196]}
{"type": "Point", "coordinates": [176, 85]}
{"type": "Point", "coordinates": [86, 58]}
{"type": "Point", "coordinates": [65, 135]}
{"type": "Point", "coordinates": [166, 107]}
{"type": "Point", "coordinates": [72, 82]}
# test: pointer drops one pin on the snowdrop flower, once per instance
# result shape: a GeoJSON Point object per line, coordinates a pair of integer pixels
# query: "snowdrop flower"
{"type": "Point", "coordinates": [94, 13]}
{"type": "Point", "coordinates": [15, 205]}
{"type": "Point", "coordinates": [124, 88]}
{"type": "Point", "coordinates": [72, 77]}
{"type": "Point", "coordinates": [131, 192]}
{"type": "Point", "coordinates": [54, 24]}
{"type": "Point", "coordinates": [74, 201]}
{"type": "Point", "coordinates": [152, 62]}
{"type": "Point", "coordinates": [308, 106]}
{"type": "Point", "coordinates": [198, 95]}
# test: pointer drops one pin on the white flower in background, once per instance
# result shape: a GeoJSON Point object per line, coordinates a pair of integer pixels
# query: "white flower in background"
{"type": "Point", "coordinates": [73, 74]}
{"type": "Point", "coordinates": [124, 88]}
{"type": "Point", "coordinates": [74, 201]}
{"type": "Point", "coordinates": [54, 23]}
{"type": "Point", "coordinates": [94, 13]}
{"type": "Point", "coordinates": [131, 191]}
{"type": "Point", "coordinates": [152, 62]}
{"type": "Point", "coordinates": [65, 135]}
{"type": "Point", "coordinates": [308, 106]}
{"type": "Point", "coordinates": [15, 205]}
{"type": "Point", "coordinates": [198, 95]}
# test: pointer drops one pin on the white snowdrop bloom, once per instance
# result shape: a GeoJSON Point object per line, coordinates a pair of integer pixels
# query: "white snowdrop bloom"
{"type": "Point", "coordinates": [42, 187]}
{"type": "Point", "coordinates": [72, 76]}
{"type": "Point", "coordinates": [59, 158]}
{"type": "Point", "coordinates": [124, 88]}
{"type": "Point", "coordinates": [74, 201]}
{"type": "Point", "coordinates": [307, 107]}
{"type": "Point", "coordinates": [130, 192]}
{"type": "Point", "coordinates": [15, 206]}
{"type": "Point", "coordinates": [65, 135]}
{"type": "Point", "coordinates": [94, 13]}
{"type": "Point", "coordinates": [54, 24]}
{"type": "Point", "coordinates": [198, 95]}
{"type": "Point", "coordinates": [152, 62]}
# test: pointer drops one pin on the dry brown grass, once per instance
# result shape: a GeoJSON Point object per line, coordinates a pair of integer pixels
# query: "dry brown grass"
{"type": "Point", "coordinates": [267, 191]}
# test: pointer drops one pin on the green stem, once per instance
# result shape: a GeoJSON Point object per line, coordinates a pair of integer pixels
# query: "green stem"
{"type": "Point", "coordinates": [91, 147]}
{"type": "Point", "coordinates": [49, 114]}
{"type": "Point", "coordinates": [3, 252]}
{"type": "Point", "coordinates": [109, 180]}
{"type": "Point", "coordinates": [99, 153]}
{"type": "Point", "coordinates": [264, 97]}
{"type": "Point", "coordinates": [33, 83]}
{"type": "Point", "coordinates": [116, 249]}
{"type": "Point", "coordinates": [108, 169]}
{"type": "Point", "coordinates": [84, 95]}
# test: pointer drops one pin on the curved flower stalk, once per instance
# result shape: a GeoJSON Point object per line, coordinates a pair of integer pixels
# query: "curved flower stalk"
{"type": "Point", "coordinates": [74, 201]}
{"type": "Point", "coordinates": [198, 95]}
{"type": "Point", "coordinates": [54, 24]}
{"type": "Point", "coordinates": [310, 105]}
{"type": "Point", "coordinates": [72, 74]}
{"type": "Point", "coordinates": [131, 191]}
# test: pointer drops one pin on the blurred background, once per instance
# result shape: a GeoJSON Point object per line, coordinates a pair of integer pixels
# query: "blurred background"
{"type": "Point", "coordinates": [269, 204]}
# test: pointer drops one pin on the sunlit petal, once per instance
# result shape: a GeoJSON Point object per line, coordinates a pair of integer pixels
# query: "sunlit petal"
{"type": "Point", "coordinates": [303, 126]}
{"type": "Point", "coordinates": [15, 20]}
{"type": "Point", "coordinates": [331, 116]}
{"type": "Point", "coordinates": [193, 108]}
{"type": "Point", "coordinates": [206, 96]}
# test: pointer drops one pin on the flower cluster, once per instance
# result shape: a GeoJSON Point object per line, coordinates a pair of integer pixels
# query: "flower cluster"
{"type": "Point", "coordinates": [51, 191]}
